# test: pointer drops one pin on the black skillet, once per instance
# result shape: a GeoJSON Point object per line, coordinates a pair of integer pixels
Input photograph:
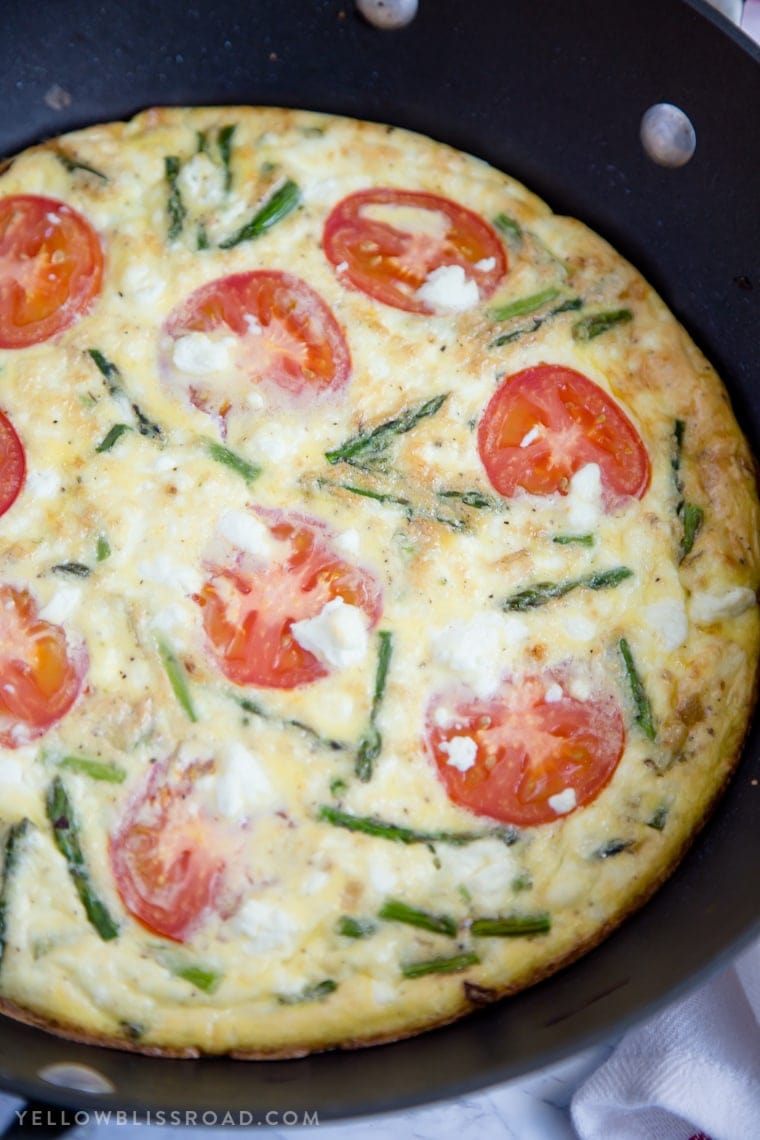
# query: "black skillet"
{"type": "Point", "coordinates": [554, 93]}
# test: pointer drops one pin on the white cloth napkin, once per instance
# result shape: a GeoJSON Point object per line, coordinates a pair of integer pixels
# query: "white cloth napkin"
{"type": "Point", "coordinates": [694, 1068]}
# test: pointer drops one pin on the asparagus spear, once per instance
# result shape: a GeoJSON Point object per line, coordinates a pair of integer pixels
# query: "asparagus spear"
{"type": "Point", "coordinates": [96, 770]}
{"type": "Point", "coordinates": [371, 743]}
{"type": "Point", "coordinates": [370, 448]}
{"type": "Point", "coordinates": [440, 965]}
{"type": "Point", "coordinates": [282, 202]}
{"type": "Point", "coordinates": [370, 825]}
{"type": "Point", "coordinates": [174, 205]}
{"type": "Point", "coordinates": [177, 678]}
{"type": "Point", "coordinates": [587, 328]}
{"type": "Point", "coordinates": [249, 471]}
{"type": "Point", "coordinates": [543, 592]}
{"type": "Point", "coordinates": [224, 142]}
{"type": "Point", "coordinates": [318, 992]}
{"type": "Point", "coordinates": [524, 305]}
{"type": "Point", "coordinates": [12, 848]}
{"type": "Point", "coordinates": [66, 835]}
{"type": "Point", "coordinates": [511, 926]}
{"type": "Point", "coordinates": [396, 911]}
{"type": "Point", "coordinates": [641, 703]}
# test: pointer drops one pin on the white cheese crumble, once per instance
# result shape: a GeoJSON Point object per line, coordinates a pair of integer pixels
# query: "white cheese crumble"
{"type": "Point", "coordinates": [244, 531]}
{"type": "Point", "coordinates": [337, 636]}
{"type": "Point", "coordinates": [531, 436]}
{"type": "Point", "coordinates": [448, 290]}
{"type": "Point", "coordinates": [266, 927]}
{"type": "Point", "coordinates": [584, 499]}
{"type": "Point", "coordinates": [580, 689]}
{"type": "Point", "coordinates": [199, 181]}
{"type": "Point", "coordinates": [669, 622]}
{"type": "Point", "coordinates": [383, 877]}
{"type": "Point", "coordinates": [461, 752]}
{"type": "Point", "coordinates": [580, 628]}
{"type": "Point", "coordinates": [478, 651]}
{"type": "Point", "coordinates": [141, 283]}
{"type": "Point", "coordinates": [43, 484]}
{"type": "Point", "coordinates": [563, 802]}
{"type": "Point", "coordinates": [242, 785]}
{"type": "Point", "coordinates": [167, 572]}
{"type": "Point", "coordinates": [197, 353]}
{"type": "Point", "coordinates": [486, 264]}
{"type": "Point", "coordinates": [553, 694]}
{"type": "Point", "coordinates": [707, 608]}
{"type": "Point", "coordinates": [347, 542]}
{"type": "Point", "coordinates": [62, 605]}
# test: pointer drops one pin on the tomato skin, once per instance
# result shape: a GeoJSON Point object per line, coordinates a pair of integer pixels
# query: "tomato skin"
{"type": "Point", "coordinates": [40, 676]}
{"type": "Point", "coordinates": [288, 339]}
{"type": "Point", "coordinates": [390, 264]}
{"type": "Point", "coordinates": [249, 607]}
{"type": "Point", "coordinates": [163, 858]}
{"type": "Point", "coordinates": [578, 424]}
{"type": "Point", "coordinates": [50, 270]}
{"type": "Point", "coordinates": [529, 750]}
{"type": "Point", "coordinates": [12, 464]}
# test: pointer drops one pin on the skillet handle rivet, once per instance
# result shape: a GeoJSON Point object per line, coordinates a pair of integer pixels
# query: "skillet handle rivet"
{"type": "Point", "coordinates": [67, 1075]}
{"type": "Point", "coordinates": [667, 135]}
{"type": "Point", "coordinates": [388, 14]}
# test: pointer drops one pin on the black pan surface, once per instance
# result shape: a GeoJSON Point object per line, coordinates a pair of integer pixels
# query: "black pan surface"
{"type": "Point", "coordinates": [554, 94]}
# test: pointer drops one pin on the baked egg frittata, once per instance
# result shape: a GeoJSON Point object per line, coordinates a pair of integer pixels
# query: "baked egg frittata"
{"type": "Point", "coordinates": [378, 571]}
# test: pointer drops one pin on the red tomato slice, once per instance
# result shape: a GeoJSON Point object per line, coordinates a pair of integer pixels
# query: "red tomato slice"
{"type": "Point", "coordinates": [163, 857]}
{"type": "Point", "coordinates": [40, 677]}
{"type": "Point", "coordinates": [249, 607]}
{"type": "Point", "coordinates": [390, 264]}
{"type": "Point", "coordinates": [284, 337]}
{"type": "Point", "coordinates": [51, 268]}
{"type": "Point", "coordinates": [528, 750]}
{"type": "Point", "coordinates": [12, 464]}
{"type": "Point", "coordinates": [568, 421]}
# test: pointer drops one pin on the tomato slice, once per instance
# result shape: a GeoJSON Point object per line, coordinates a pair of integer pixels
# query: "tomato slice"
{"type": "Point", "coordinates": [164, 858]}
{"type": "Point", "coordinates": [263, 327]}
{"type": "Point", "coordinates": [40, 677]}
{"type": "Point", "coordinates": [546, 422]}
{"type": "Point", "coordinates": [51, 268]}
{"type": "Point", "coordinates": [389, 263]}
{"type": "Point", "coordinates": [249, 606]}
{"type": "Point", "coordinates": [12, 464]}
{"type": "Point", "coordinates": [517, 751]}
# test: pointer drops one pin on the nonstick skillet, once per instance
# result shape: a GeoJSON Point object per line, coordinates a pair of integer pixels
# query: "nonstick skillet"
{"type": "Point", "coordinates": [554, 93]}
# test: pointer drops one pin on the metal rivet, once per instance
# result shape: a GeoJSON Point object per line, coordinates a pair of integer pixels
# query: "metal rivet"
{"type": "Point", "coordinates": [80, 1077]}
{"type": "Point", "coordinates": [388, 13]}
{"type": "Point", "coordinates": [667, 135]}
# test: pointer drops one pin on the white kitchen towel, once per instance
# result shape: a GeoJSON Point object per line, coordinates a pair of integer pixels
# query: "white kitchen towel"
{"type": "Point", "coordinates": [694, 1068]}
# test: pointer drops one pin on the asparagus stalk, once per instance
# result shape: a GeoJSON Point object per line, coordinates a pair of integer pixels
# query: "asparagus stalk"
{"type": "Point", "coordinates": [511, 926]}
{"type": "Point", "coordinates": [643, 716]}
{"type": "Point", "coordinates": [440, 965]}
{"type": "Point", "coordinates": [370, 448]}
{"type": "Point", "coordinates": [282, 202]}
{"type": "Point", "coordinates": [543, 592]}
{"type": "Point", "coordinates": [60, 812]}
{"type": "Point", "coordinates": [396, 911]}
{"type": "Point", "coordinates": [380, 829]}
{"type": "Point", "coordinates": [243, 467]}
{"type": "Point", "coordinates": [174, 204]}
{"type": "Point", "coordinates": [587, 328]}
{"type": "Point", "coordinates": [371, 743]}
{"type": "Point", "coordinates": [12, 849]}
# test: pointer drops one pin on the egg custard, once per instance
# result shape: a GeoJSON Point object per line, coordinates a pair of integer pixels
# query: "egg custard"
{"type": "Point", "coordinates": [378, 571]}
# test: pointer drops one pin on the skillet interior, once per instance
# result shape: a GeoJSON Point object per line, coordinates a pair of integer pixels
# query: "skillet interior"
{"type": "Point", "coordinates": [554, 95]}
